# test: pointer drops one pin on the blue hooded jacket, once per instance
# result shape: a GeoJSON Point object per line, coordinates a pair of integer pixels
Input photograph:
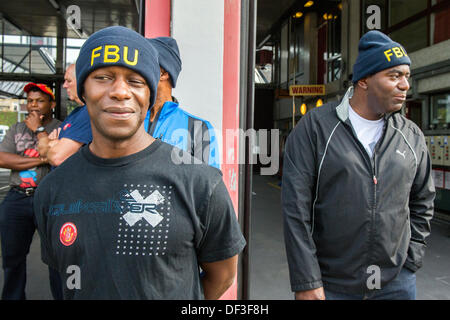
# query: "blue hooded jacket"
{"type": "Point", "coordinates": [177, 127]}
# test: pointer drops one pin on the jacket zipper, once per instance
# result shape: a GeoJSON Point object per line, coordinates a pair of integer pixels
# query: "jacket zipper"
{"type": "Point", "coordinates": [374, 171]}
{"type": "Point", "coordinates": [375, 183]}
{"type": "Point", "coordinates": [372, 162]}
{"type": "Point", "coordinates": [372, 222]}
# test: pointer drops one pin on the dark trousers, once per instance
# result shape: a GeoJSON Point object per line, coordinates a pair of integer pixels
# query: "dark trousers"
{"type": "Point", "coordinates": [17, 226]}
{"type": "Point", "coordinates": [403, 287]}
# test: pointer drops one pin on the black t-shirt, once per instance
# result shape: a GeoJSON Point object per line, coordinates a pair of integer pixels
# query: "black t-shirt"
{"type": "Point", "coordinates": [134, 227]}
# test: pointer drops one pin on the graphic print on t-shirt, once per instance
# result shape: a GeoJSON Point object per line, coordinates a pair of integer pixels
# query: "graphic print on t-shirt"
{"type": "Point", "coordinates": [24, 141]}
{"type": "Point", "coordinates": [144, 224]}
{"type": "Point", "coordinates": [28, 179]}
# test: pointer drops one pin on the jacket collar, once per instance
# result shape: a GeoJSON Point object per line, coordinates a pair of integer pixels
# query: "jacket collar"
{"type": "Point", "coordinates": [342, 108]}
{"type": "Point", "coordinates": [167, 109]}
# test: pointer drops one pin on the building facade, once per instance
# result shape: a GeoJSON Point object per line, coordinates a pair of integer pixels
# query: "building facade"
{"type": "Point", "coordinates": [318, 45]}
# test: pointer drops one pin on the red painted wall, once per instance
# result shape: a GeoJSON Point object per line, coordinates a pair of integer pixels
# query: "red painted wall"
{"type": "Point", "coordinates": [230, 120]}
{"type": "Point", "coordinates": [157, 18]}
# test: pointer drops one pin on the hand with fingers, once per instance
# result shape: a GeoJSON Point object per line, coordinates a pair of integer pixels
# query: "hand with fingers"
{"type": "Point", "coordinates": [34, 120]}
{"type": "Point", "coordinates": [54, 134]}
{"type": "Point", "coordinates": [313, 294]}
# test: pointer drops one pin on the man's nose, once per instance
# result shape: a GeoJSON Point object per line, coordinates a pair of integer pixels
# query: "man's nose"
{"type": "Point", "coordinates": [404, 84]}
{"type": "Point", "coordinates": [120, 89]}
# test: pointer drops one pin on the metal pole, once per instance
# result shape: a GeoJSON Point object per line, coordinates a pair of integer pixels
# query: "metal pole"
{"type": "Point", "coordinates": [59, 114]}
{"type": "Point", "coordinates": [248, 167]}
{"type": "Point", "coordinates": [142, 17]}
{"type": "Point", "coordinates": [295, 69]}
{"type": "Point", "coordinates": [241, 275]}
{"type": "Point", "coordinates": [293, 112]}
{"type": "Point", "coordinates": [3, 41]}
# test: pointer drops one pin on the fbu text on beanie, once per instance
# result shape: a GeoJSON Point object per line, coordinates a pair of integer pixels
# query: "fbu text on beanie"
{"type": "Point", "coordinates": [118, 46]}
{"type": "Point", "coordinates": [377, 52]}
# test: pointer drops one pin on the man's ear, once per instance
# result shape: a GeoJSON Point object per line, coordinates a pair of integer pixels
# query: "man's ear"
{"type": "Point", "coordinates": [53, 104]}
{"type": "Point", "coordinates": [164, 76]}
{"type": "Point", "coordinates": [362, 83]}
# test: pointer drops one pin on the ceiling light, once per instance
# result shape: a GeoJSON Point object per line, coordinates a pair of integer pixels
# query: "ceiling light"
{"type": "Point", "coordinates": [298, 15]}
{"type": "Point", "coordinates": [319, 103]}
{"type": "Point", "coordinates": [303, 109]}
{"type": "Point", "coordinates": [309, 4]}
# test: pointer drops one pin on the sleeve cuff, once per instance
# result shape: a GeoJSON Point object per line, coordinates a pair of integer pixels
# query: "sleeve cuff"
{"type": "Point", "coordinates": [306, 286]}
{"type": "Point", "coordinates": [411, 266]}
{"type": "Point", "coordinates": [225, 253]}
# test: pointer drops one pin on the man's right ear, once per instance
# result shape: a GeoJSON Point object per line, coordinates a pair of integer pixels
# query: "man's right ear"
{"type": "Point", "coordinates": [362, 83]}
{"type": "Point", "coordinates": [164, 76]}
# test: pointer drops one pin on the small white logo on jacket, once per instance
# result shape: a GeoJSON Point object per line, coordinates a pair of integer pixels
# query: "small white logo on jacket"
{"type": "Point", "coordinates": [402, 153]}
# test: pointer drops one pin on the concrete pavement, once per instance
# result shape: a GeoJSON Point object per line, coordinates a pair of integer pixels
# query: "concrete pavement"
{"type": "Point", "coordinates": [269, 275]}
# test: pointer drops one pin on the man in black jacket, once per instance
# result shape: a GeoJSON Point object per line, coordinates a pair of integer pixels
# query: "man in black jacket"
{"type": "Point", "coordinates": [357, 189]}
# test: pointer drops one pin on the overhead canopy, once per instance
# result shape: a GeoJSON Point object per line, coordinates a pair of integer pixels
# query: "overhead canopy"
{"type": "Point", "coordinates": [269, 12]}
{"type": "Point", "coordinates": [47, 18]}
{"type": "Point", "coordinates": [37, 42]}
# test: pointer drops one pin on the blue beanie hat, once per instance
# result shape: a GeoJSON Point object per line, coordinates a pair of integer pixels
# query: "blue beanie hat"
{"type": "Point", "coordinates": [377, 52]}
{"type": "Point", "coordinates": [118, 46]}
{"type": "Point", "coordinates": [169, 56]}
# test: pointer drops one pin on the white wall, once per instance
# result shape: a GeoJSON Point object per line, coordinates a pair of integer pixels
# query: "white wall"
{"type": "Point", "coordinates": [197, 25]}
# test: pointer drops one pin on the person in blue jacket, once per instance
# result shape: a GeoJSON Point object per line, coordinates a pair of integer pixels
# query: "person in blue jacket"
{"type": "Point", "coordinates": [170, 123]}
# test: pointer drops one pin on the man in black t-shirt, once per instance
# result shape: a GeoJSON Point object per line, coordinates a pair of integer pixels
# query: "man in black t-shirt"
{"type": "Point", "coordinates": [121, 219]}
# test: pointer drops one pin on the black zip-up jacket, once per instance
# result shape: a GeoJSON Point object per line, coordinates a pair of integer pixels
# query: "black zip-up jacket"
{"type": "Point", "coordinates": [345, 212]}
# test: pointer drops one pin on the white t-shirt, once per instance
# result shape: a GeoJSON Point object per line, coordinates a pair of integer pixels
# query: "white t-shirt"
{"type": "Point", "coordinates": [367, 131]}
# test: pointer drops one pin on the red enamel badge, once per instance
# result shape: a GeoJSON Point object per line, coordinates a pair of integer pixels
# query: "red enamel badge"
{"type": "Point", "coordinates": [68, 234]}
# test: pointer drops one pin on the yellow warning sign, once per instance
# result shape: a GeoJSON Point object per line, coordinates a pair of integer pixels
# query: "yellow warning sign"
{"type": "Point", "coordinates": [307, 90]}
